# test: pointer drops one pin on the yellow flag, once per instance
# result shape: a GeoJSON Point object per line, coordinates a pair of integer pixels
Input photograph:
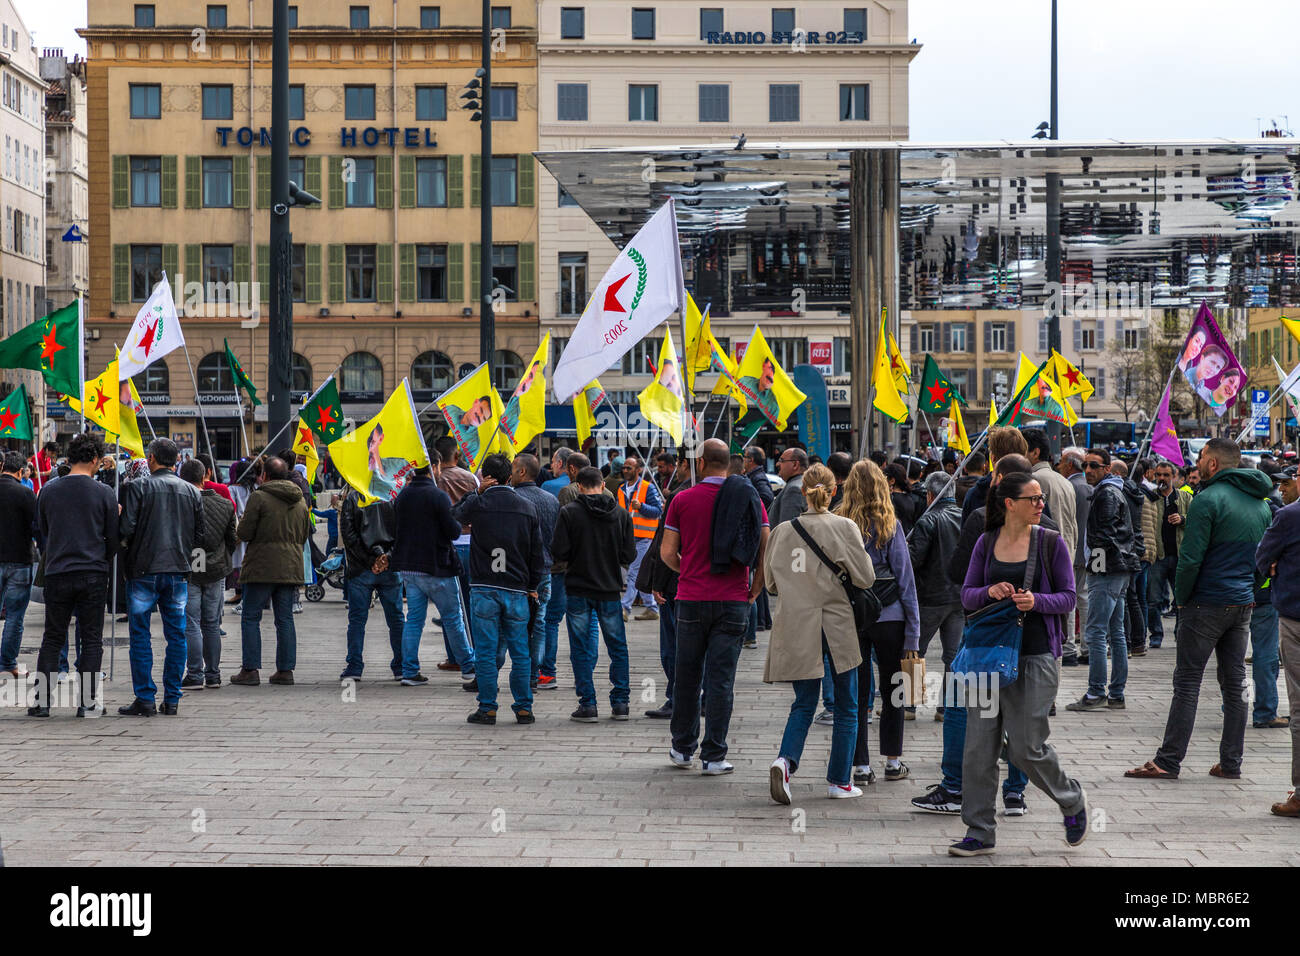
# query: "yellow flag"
{"type": "Point", "coordinates": [957, 430]}
{"type": "Point", "coordinates": [993, 412]}
{"type": "Point", "coordinates": [524, 417]}
{"type": "Point", "coordinates": [1292, 326]}
{"type": "Point", "coordinates": [1046, 385]}
{"type": "Point", "coordinates": [765, 384]}
{"type": "Point", "coordinates": [129, 436]}
{"type": "Point", "coordinates": [727, 369]}
{"type": "Point", "coordinates": [1072, 381]}
{"type": "Point", "coordinates": [661, 400]}
{"type": "Point", "coordinates": [887, 399]}
{"type": "Point", "coordinates": [897, 367]}
{"type": "Point", "coordinates": [377, 458]}
{"type": "Point", "coordinates": [472, 407]}
{"type": "Point", "coordinates": [304, 443]}
{"type": "Point", "coordinates": [697, 352]}
{"type": "Point", "coordinates": [101, 400]}
{"type": "Point", "coordinates": [585, 404]}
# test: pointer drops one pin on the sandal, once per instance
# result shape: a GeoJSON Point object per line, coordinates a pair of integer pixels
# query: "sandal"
{"type": "Point", "coordinates": [1149, 771]}
{"type": "Point", "coordinates": [1218, 771]}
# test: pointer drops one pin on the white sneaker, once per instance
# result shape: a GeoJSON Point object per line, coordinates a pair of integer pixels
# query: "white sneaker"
{"type": "Point", "coordinates": [679, 760]}
{"type": "Point", "coordinates": [297, 607]}
{"type": "Point", "coordinates": [715, 768]}
{"type": "Point", "coordinates": [779, 774]}
{"type": "Point", "coordinates": [836, 792]}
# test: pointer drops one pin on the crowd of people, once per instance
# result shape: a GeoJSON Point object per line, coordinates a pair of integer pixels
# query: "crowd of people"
{"type": "Point", "coordinates": [853, 566]}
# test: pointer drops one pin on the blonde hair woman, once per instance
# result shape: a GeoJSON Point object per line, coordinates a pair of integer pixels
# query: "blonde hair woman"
{"type": "Point", "coordinates": [813, 622]}
{"type": "Point", "coordinates": [897, 631]}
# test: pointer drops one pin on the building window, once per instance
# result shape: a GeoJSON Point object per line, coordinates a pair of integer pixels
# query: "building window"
{"type": "Point", "coordinates": [573, 25]}
{"type": "Point", "coordinates": [715, 103]}
{"type": "Point", "coordinates": [362, 372]}
{"type": "Point", "coordinates": [155, 380]}
{"type": "Point", "coordinates": [925, 338]}
{"type": "Point", "coordinates": [361, 275]}
{"type": "Point", "coordinates": [782, 21]}
{"type": "Point", "coordinates": [854, 101]}
{"type": "Point", "coordinates": [855, 22]}
{"type": "Point", "coordinates": [297, 169]}
{"type": "Point", "coordinates": [146, 271]}
{"type": "Point", "coordinates": [432, 372]}
{"type": "Point", "coordinates": [431, 103]}
{"type": "Point", "coordinates": [643, 23]}
{"type": "Point", "coordinates": [500, 18]}
{"type": "Point", "coordinates": [509, 368]}
{"type": "Point", "coordinates": [1133, 339]}
{"type": "Point", "coordinates": [643, 103]}
{"type": "Point", "coordinates": [146, 180]}
{"type": "Point", "coordinates": [144, 15]}
{"type": "Point", "coordinates": [505, 102]}
{"type": "Point", "coordinates": [634, 362]}
{"type": "Point", "coordinates": [297, 102]}
{"type": "Point", "coordinates": [504, 181]}
{"type": "Point", "coordinates": [218, 265]}
{"type": "Point", "coordinates": [217, 102]}
{"type": "Point", "coordinates": [565, 199]}
{"type": "Point", "coordinates": [431, 273]}
{"type": "Point", "coordinates": [783, 103]}
{"type": "Point", "coordinates": [958, 333]}
{"type": "Point", "coordinates": [710, 21]}
{"type": "Point", "coordinates": [213, 375]}
{"type": "Point", "coordinates": [216, 16]}
{"type": "Point", "coordinates": [997, 337]}
{"type": "Point", "coordinates": [1088, 337]}
{"type": "Point", "coordinates": [431, 182]}
{"type": "Point", "coordinates": [293, 18]}
{"type": "Point", "coordinates": [298, 274]}
{"type": "Point", "coordinates": [359, 102]}
{"type": "Point", "coordinates": [842, 356]}
{"type": "Point", "coordinates": [571, 102]}
{"type": "Point", "coordinates": [361, 191]}
{"type": "Point", "coordinates": [505, 272]}
{"type": "Point", "coordinates": [573, 283]}
{"type": "Point", "coordinates": [218, 174]}
{"type": "Point", "coordinates": [430, 18]}
{"type": "Point", "coordinates": [789, 352]}
{"type": "Point", "coordinates": [146, 100]}
{"type": "Point", "coordinates": [299, 375]}
{"type": "Point", "coordinates": [359, 18]}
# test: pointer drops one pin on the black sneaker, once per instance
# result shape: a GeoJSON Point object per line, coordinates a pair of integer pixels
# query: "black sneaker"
{"type": "Point", "coordinates": [1076, 825]}
{"type": "Point", "coordinates": [525, 717]}
{"type": "Point", "coordinates": [415, 681]}
{"type": "Point", "coordinates": [867, 776]}
{"type": "Point", "coordinates": [896, 773]}
{"type": "Point", "coordinates": [212, 683]}
{"type": "Point", "coordinates": [619, 711]}
{"type": "Point", "coordinates": [585, 715]}
{"type": "Point", "coordinates": [482, 717]}
{"type": "Point", "coordinates": [38, 711]}
{"type": "Point", "coordinates": [96, 711]}
{"type": "Point", "coordinates": [970, 847]}
{"type": "Point", "coordinates": [1115, 703]}
{"type": "Point", "coordinates": [1014, 804]}
{"type": "Point", "coordinates": [138, 708]}
{"type": "Point", "coordinates": [1070, 660]}
{"type": "Point", "coordinates": [663, 713]}
{"type": "Point", "coordinates": [938, 800]}
{"type": "Point", "coordinates": [168, 709]}
{"type": "Point", "coordinates": [470, 685]}
{"type": "Point", "coordinates": [192, 683]}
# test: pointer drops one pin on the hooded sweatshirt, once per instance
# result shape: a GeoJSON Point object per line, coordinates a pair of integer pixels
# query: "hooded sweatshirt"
{"type": "Point", "coordinates": [275, 525]}
{"type": "Point", "coordinates": [594, 535]}
{"type": "Point", "coordinates": [1225, 522]}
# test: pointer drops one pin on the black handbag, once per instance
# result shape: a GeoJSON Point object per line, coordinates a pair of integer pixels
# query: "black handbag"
{"type": "Point", "coordinates": [866, 605]}
{"type": "Point", "coordinates": [886, 589]}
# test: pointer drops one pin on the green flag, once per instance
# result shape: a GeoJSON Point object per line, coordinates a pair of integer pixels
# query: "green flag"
{"type": "Point", "coordinates": [241, 378]}
{"type": "Point", "coordinates": [323, 412]}
{"type": "Point", "coordinates": [746, 428]}
{"type": "Point", "coordinates": [1036, 399]}
{"type": "Point", "coordinates": [14, 420]}
{"type": "Point", "coordinates": [937, 392]}
{"type": "Point", "coordinates": [51, 346]}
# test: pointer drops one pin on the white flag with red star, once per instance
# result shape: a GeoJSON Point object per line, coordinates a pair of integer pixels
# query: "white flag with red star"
{"type": "Point", "coordinates": [155, 332]}
{"type": "Point", "coordinates": [641, 289]}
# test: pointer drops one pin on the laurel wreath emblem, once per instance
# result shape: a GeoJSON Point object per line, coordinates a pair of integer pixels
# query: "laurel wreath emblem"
{"type": "Point", "coordinates": [641, 275]}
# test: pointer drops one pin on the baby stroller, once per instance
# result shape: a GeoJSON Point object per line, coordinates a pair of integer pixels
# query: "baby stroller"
{"type": "Point", "coordinates": [331, 571]}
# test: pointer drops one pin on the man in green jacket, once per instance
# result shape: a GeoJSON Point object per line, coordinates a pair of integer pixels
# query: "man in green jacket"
{"type": "Point", "coordinates": [1164, 539]}
{"type": "Point", "coordinates": [1214, 589]}
{"type": "Point", "coordinates": [276, 525]}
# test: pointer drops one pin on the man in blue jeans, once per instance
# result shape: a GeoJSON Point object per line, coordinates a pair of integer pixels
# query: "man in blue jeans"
{"type": "Point", "coordinates": [505, 569]}
{"type": "Point", "coordinates": [523, 478]}
{"type": "Point", "coordinates": [160, 522]}
{"type": "Point", "coordinates": [368, 534]}
{"type": "Point", "coordinates": [17, 533]}
{"type": "Point", "coordinates": [424, 555]}
{"type": "Point", "coordinates": [596, 538]}
{"type": "Point", "coordinates": [558, 606]}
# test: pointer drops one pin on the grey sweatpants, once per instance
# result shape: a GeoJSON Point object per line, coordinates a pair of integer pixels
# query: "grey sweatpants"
{"type": "Point", "coordinates": [1021, 712]}
{"type": "Point", "coordinates": [1289, 632]}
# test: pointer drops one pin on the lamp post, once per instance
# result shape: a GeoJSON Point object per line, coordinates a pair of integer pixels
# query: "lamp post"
{"type": "Point", "coordinates": [487, 324]}
{"type": "Point", "coordinates": [1053, 237]}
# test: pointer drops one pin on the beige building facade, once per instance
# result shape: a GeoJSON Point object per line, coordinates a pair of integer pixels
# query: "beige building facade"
{"type": "Point", "coordinates": [67, 180]}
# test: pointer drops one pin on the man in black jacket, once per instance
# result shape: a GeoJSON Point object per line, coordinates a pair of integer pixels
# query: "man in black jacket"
{"type": "Point", "coordinates": [757, 475]}
{"type": "Point", "coordinates": [205, 593]}
{"type": "Point", "coordinates": [160, 524]}
{"type": "Point", "coordinates": [424, 555]}
{"type": "Point", "coordinates": [596, 538]}
{"type": "Point", "coordinates": [368, 534]}
{"type": "Point", "coordinates": [524, 474]}
{"type": "Point", "coordinates": [932, 544]}
{"type": "Point", "coordinates": [505, 569]}
{"type": "Point", "coordinates": [17, 532]}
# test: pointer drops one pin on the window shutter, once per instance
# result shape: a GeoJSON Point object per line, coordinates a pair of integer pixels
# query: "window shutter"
{"type": "Point", "coordinates": [193, 182]}
{"type": "Point", "coordinates": [171, 262]}
{"type": "Point", "coordinates": [970, 337]}
{"type": "Point", "coordinates": [239, 188]}
{"type": "Point", "coordinates": [912, 339]}
{"type": "Point", "coordinates": [1119, 333]}
{"type": "Point", "coordinates": [121, 181]}
{"type": "Point", "coordinates": [263, 267]}
{"type": "Point", "coordinates": [311, 173]}
{"type": "Point", "coordinates": [1011, 335]}
{"type": "Point", "coordinates": [1078, 337]}
{"type": "Point", "coordinates": [988, 338]}
{"type": "Point", "coordinates": [243, 264]}
{"type": "Point", "coordinates": [455, 181]}
{"type": "Point", "coordinates": [406, 267]}
{"type": "Point", "coordinates": [945, 336]}
{"type": "Point", "coordinates": [338, 194]}
{"type": "Point", "coordinates": [264, 182]}
{"type": "Point", "coordinates": [384, 259]}
{"type": "Point", "coordinates": [313, 273]}
{"type": "Point", "coordinates": [474, 258]}
{"type": "Point", "coordinates": [1144, 337]}
{"type": "Point", "coordinates": [525, 180]}
{"type": "Point", "coordinates": [406, 187]}
{"type": "Point", "coordinates": [194, 264]}
{"type": "Point", "coordinates": [475, 177]}
{"type": "Point", "coordinates": [384, 189]}
{"type": "Point", "coordinates": [1044, 343]}
{"type": "Point", "coordinates": [456, 271]}
{"type": "Point", "coordinates": [121, 273]}
{"type": "Point", "coordinates": [168, 182]}
{"type": "Point", "coordinates": [1101, 334]}
{"type": "Point", "coordinates": [527, 271]}
{"type": "Point", "coordinates": [988, 381]}
{"type": "Point", "coordinates": [336, 279]}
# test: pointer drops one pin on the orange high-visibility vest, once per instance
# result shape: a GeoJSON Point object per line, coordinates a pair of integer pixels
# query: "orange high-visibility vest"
{"type": "Point", "coordinates": [642, 527]}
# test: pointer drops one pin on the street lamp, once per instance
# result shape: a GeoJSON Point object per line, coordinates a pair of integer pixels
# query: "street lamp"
{"type": "Point", "coordinates": [477, 96]}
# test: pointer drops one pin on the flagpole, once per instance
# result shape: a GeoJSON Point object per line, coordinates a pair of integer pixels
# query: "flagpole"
{"type": "Point", "coordinates": [952, 479]}
{"type": "Point", "coordinates": [1146, 443]}
{"type": "Point", "coordinates": [81, 358]}
{"type": "Point", "coordinates": [113, 590]}
{"type": "Point", "coordinates": [248, 449]}
{"type": "Point", "coordinates": [270, 441]}
{"type": "Point", "coordinates": [199, 405]}
{"type": "Point", "coordinates": [1250, 425]}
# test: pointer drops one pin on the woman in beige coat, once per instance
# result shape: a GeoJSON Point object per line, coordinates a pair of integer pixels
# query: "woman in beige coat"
{"type": "Point", "coordinates": [814, 618]}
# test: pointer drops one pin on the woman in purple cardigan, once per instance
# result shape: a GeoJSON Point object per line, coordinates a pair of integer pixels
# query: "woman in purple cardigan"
{"type": "Point", "coordinates": [997, 572]}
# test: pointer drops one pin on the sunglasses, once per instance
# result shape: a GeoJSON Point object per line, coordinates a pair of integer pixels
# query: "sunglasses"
{"type": "Point", "coordinates": [1093, 464]}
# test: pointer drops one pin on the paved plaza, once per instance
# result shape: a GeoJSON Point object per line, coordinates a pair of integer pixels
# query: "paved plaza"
{"type": "Point", "coordinates": [306, 774]}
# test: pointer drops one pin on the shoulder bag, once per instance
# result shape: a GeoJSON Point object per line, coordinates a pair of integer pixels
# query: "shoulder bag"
{"type": "Point", "coordinates": [866, 606]}
{"type": "Point", "coordinates": [886, 587]}
{"type": "Point", "coordinates": [990, 643]}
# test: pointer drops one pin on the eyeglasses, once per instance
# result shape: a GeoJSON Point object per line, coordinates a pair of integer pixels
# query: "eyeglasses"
{"type": "Point", "coordinates": [1036, 500]}
{"type": "Point", "coordinates": [1093, 464]}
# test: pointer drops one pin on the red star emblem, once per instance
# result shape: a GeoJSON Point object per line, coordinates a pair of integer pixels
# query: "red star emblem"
{"type": "Point", "coordinates": [324, 419]}
{"type": "Point", "coordinates": [1072, 376]}
{"type": "Point", "coordinates": [49, 346]}
{"type": "Point", "coordinates": [611, 295]}
{"type": "Point", "coordinates": [148, 341]}
{"type": "Point", "coordinates": [894, 363]}
{"type": "Point", "coordinates": [304, 436]}
{"type": "Point", "coordinates": [937, 393]}
{"type": "Point", "coordinates": [100, 399]}
{"type": "Point", "coordinates": [8, 419]}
